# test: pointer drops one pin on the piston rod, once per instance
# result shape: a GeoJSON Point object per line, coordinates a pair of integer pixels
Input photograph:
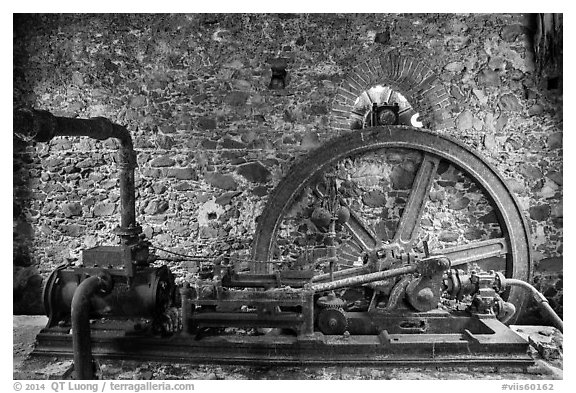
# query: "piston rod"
{"type": "Point", "coordinates": [363, 279]}
{"type": "Point", "coordinates": [426, 267]}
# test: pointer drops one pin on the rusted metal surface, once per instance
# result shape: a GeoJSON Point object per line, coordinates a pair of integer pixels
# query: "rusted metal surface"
{"type": "Point", "coordinates": [513, 247]}
{"type": "Point", "coordinates": [42, 126]}
{"type": "Point", "coordinates": [144, 295]}
{"type": "Point", "coordinates": [382, 310]}
{"type": "Point", "coordinates": [486, 342]}
{"type": "Point", "coordinates": [81, 337]}
{"type": "Point", "coordinates": [540, 300]}
{"type": "Point", "coordinates": [363, 279]}
{"type": "Point", "coordinates": [407, 230]}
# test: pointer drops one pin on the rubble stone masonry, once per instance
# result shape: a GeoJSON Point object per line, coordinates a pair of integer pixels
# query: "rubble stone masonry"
{"type": "Point", "coordinates": [214, 139]}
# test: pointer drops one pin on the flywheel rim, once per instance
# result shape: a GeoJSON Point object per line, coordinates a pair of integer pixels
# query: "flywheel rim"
{"type": "Point", "coordinates": [510, 215]}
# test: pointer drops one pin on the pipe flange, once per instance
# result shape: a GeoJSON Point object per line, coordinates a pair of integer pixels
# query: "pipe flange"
{"type": "Point", "coordinates": [127, 231]}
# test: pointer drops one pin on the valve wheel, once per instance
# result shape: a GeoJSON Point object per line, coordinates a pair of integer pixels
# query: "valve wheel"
{"type": "Point", "coordinates": [504, 240]}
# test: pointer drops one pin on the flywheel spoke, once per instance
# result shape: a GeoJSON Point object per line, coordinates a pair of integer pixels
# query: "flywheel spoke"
{"type": "Point", "coordinates": [409, 225]}
{"type": "Point", "coordinates": [360, 232]}
{"type": "Point", "coordinates": [356, 227]}
{"type": "Point", "coordinates": [473, 252]}
{"type": "Point", "coordinates": [479, 187]}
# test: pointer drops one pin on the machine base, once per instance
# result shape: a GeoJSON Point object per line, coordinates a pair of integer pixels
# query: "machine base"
{"type": "Point", "coordinates": [500, 347]}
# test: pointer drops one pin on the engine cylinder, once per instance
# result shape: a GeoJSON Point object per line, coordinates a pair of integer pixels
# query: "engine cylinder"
{"type": "Point", "coordinates": [146, 295]}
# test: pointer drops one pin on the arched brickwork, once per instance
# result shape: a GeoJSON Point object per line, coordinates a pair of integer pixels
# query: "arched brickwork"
{"type": "Point", "coordinates": [410, 77]}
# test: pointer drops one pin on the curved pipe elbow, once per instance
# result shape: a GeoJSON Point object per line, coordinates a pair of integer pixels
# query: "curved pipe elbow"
{"type": "Point", "coordinates": [80, 310]}
{"type": "Point", "coordinates": [541, 299]}
{"type": "Point", "coordinates": [42, 126]}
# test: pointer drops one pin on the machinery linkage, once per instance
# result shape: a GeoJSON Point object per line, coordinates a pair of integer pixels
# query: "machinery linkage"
{"type": "Point", "coordinates": [392, 306]}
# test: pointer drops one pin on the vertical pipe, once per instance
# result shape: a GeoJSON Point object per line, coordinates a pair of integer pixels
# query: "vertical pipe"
{"type": "Point", "coordinates": [127, 162]}
{"type": "Point", "coordinates": [81, 340]}
{"type": "Point", "coordinates": [307, 314]}
{"type": "Point", "coordinates": [186, 308]}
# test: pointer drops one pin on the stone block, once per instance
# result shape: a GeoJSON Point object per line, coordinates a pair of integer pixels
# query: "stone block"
{"type": "Point", "coordinates": [254, 172]}
{"type": "Point", "coordinates": [183, 173]}
{"type": "Point", "coordinates": [540, 212]}
{"type": "Point", "coordinates": [555, 141]}
{"type": "Point", "coordinates": [224, 182]}
{"type": "Point", "coordinates": [207, 123]}
{"type": "Point", "coordinates": [72, 209]}
{"type": "Point", "coordinates": [104, 209]}
{"type": "Point", "coordinates": [162, 161]}
{"type": "Point", "coordinates": [509, 102]}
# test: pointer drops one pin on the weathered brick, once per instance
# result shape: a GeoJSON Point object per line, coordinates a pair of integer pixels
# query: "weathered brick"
{"type": "Point", "coordinates": [429, 74]}
{"type": "Point", "coordinates": [364, 73]}
{"type": "Point", "coordinates": [410, 71]}
{"type": "Point", "coordinates": [442, 95]}
{"type": "Point", "coordinates": [403, 69]}
{"type": "Point", "coordinates": [341, 100]}
{"type": "Point", "coordinates": [418, 72]}
{"type": "Point", "coordinates": [386, 65]}
{"type": "Point", "coordinates": [374, 68]}
{"type": "Point", "coordinates": [398, 60]}
{"type": "Point", "coordinates": [403, 85]}
{"type": "Point", "coordinates": [339, 112]}
{"type": "Point", "coordinates": [341, 108]}
{"type": "Point", "coordinates": [428, 84]}
{"type": "Point", "coordinates": [393, 64]}
{"type": "Point", "coordinates": [434, 90]}
{"type": "Point", "coordinates": [340, 118]}
{"type": "Point", "coordinates": [348, 91]}
{"type": "Point", "coordinates": [357, 83]}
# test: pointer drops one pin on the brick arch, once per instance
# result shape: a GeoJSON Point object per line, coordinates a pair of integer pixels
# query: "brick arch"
{"type": "Point", "coordinates": [408, 76]}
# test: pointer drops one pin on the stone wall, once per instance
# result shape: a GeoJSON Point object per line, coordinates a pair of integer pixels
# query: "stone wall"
{"type": "Point", "coordinates": [213, 139]}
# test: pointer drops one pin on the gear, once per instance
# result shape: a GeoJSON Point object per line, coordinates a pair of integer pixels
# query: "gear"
{"type": "Point", "coordinates": [332, 321]}
{"type": "Point", "coordinates": [330, 301]}
{"type": "Point", "coordinates": [511, 246]}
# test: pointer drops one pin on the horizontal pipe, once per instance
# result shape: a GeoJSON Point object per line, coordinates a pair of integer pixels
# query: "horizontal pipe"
{"type": "Point", "coordinates": [42, 126]}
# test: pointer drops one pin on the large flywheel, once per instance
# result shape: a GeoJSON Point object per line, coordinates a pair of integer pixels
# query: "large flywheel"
{"type": "Point", "coordinates": [401, 188]}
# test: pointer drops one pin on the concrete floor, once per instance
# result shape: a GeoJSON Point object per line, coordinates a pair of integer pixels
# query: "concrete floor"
{"type": "Point", "coordinates": [25, 329]}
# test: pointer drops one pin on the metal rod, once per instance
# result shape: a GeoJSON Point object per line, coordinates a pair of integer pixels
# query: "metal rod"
{"type": "Point", "coordinates": [366, 278]}
{"type": "Point", "coordinates": [353, 271]}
